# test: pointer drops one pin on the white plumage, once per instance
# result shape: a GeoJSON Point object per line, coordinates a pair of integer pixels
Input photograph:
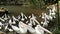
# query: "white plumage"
{"type": "Point", "coordinates": [15, 18]}
{"type": "Point", "coordinates": [10, 29]}
{"type": "Point", "coordinates": [31, 29]}
{"type": "Point", "coordinates": [1, 23]}
{"type": "Point", "coordinates": [2, 19]}
{"type": "Point", "coordinates": [13, 22]}
{"type": "Point", "coordinates": [19, 17]}
{"type": "Point", "coordinates": [43, 15]}
{"type": "Point", "coordinates": [10, 21]}
{"type": "Point", "coordinates": [40, 30]}
{"type": "Point", "coordinates": [22, 27]}
{"type": "Point", "coordinates": [25, 17]}
{"type": "Point", "coordinates": [16, 29]}
{"type": "Point", "coordinates": [22, 16]}
{"type": "Point", "coordinates": [5, 18]}
{"type": "Point", "coordinates": [52, 13]}
{"type": "Point", "coordinates": [6, 27]}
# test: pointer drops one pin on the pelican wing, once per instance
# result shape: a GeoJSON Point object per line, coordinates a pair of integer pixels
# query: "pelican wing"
{"type": "Point", "coordinates": [23, 30]}
{"type": "Point", "coordinates": [43, 29]}
{"type": "Point", "coordinates": [16, 29]}
{"type": "Point", "coordinates": [31, 30]}
{"type": "Point", "coordinates": [2, 19]}
{"type": "Point", "coordinates": [22, 27]}
{"type": "Point", "coordinates": [39, 30]}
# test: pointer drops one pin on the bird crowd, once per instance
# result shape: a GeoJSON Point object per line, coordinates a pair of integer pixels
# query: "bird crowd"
{"type": "Point", "coordinates": [23, 24]}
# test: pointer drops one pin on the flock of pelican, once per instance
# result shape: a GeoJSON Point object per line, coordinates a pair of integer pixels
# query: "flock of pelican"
{"type": "Point", "coordinates": [22, 24]}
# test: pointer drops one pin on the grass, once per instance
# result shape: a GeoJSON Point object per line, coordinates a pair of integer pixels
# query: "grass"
{"type": "Point", "coordinates": [17, 9]}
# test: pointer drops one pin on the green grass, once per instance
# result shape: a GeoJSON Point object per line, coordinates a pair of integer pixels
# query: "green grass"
{"type": "Point", "coordinates": [15, 10]}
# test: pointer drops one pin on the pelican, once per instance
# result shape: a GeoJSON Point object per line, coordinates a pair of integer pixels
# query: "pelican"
{"type": "Point", "coordinates": [31, 29]}
{"type": "Point", "coordinates": [5, 17]}
{"type": "Point", "coordinates": [49, 17]}
{"type": "Point", "coordinates": [21, 29]}
{"type": "Point", "coordinates": [32, 19]}
{"type": "Point", "coordinates": [12, 22]}
{"type": "Point", "coordinates": [31, 22]}
{"type": "Point", "coordinates": [45, 22]}
{"type": "Point", "coordinates": [22, 16]}
{"type": "Point", "coordinates": [18, 30]}
{"type": "Point", "coordinates": [52, 13]}
{"type": "Point", "coordinates": [40, 30]}
{"type": "Point", "coordinates": [43, 15]}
